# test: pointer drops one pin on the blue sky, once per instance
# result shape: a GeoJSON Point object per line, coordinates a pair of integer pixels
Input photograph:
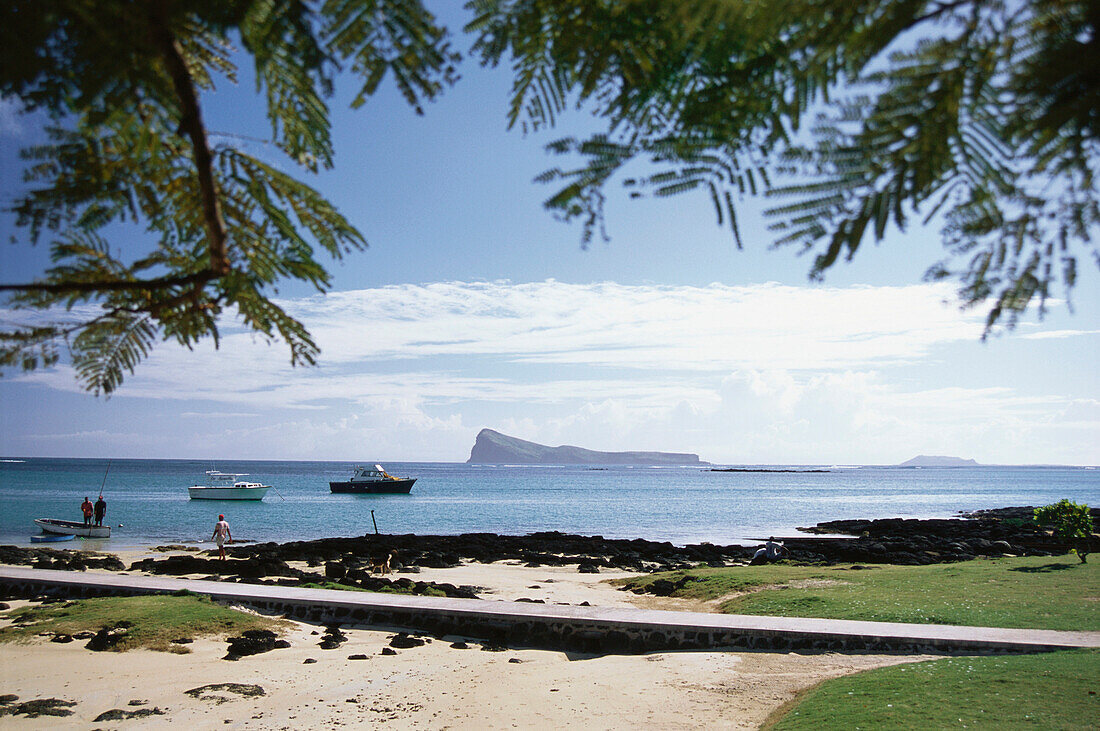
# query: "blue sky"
{"type": "Point", "coordinates": [473, 308]}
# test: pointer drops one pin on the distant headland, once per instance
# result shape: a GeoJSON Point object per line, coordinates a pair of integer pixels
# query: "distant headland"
{"type": "Point", "coordinates": [492, 447]}
{"type": "Point", "coordinates": [924, 460]}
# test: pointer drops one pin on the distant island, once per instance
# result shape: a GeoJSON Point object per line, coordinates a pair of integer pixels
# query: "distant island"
{"type": "Point", "coordinates": [492, 447]}
{"type": "Point", "coordinates": [924, 460]}
{"type": "Point", "coordinates": [764, 469]}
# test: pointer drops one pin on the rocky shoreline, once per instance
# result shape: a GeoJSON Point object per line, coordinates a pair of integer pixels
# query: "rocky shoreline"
{"type": "Point", "coordinates": [348, 561]}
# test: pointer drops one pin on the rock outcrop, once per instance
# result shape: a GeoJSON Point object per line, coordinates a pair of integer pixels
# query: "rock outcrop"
{"type": "Point", "coordinates": [492, 447]}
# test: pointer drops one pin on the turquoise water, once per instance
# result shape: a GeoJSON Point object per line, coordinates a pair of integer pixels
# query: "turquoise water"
{"type": "Point", "coordinates": [678, 504]}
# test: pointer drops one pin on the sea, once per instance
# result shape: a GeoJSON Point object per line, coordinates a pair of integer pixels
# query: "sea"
{"type": "Point", "coordinates": [148, 504]}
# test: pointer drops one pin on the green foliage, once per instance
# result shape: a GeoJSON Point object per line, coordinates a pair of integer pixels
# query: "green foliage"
{"type": "Point", "coordinates": [981, 112]}
{"type": "Point", "coordinates": [1071, 523]}
{"type": "Point", "coordinates": [125, 85]}
{"type": "Point", "coordinates": [1033, 592]}
{"type": "Point", "coordinates": [1045, 690]}
{"type": "Point", "coordinates": [855, 116]}
{"type": "Point", "coordinates": [154, 621]}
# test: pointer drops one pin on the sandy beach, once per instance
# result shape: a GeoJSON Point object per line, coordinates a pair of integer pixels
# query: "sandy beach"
{"type": "Point", "coordinates": [440, 684]}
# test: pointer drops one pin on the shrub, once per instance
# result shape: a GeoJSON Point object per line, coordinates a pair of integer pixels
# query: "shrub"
{"type": "Point", "coordinates": [1071, 523]}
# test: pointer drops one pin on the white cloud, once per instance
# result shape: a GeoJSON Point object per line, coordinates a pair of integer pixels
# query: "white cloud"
{"type": "Point", "coordinates": [761, 373]}
{"type": "Point", "coordinates": [446, 338]}
{"type": "Point", "coordinates": [663, 327]}
{"type": "Point", "coordinates": [1057, 334]}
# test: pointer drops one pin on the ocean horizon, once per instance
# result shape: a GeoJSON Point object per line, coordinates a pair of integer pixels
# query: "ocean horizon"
{"type": "Point", "coordinates": [148, 504]}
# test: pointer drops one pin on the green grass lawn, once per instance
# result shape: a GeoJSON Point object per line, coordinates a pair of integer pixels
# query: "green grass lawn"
{"type": "Point", "coordinates": [1037, 592]}
{"type": "Point", "coordinates": [155, 620]}
{"type": "Point", "coordinates": [1054, 690]}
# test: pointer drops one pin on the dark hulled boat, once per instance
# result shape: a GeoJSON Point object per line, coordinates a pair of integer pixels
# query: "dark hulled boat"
{"type": "Point", "coordinates": [373, 481]}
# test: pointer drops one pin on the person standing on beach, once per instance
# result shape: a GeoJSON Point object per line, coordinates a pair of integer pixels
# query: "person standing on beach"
{"type": "Point", "coordinates": [86, 508]}
{"type": "Point", "coordinates": [222, 536]}
{"type": "Point", "coordinates": [100, 510]}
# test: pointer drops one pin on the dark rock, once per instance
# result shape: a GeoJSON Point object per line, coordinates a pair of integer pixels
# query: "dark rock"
{"type": "Point", "coordinates": [309, 661]}
{"type": "Point", "coordinates": [182, 641]}
{"type": "Point", "coordinates": [38, 707]}
{"type": "Point", "coordinates": [531, 601]}
{"type": "Point", "coordinates": [460, 645]}
{"type": "Point", "coordinates": [64, 560]}
{"type": "Point", "coordinates": [118, 714]}
{"type": "Point", "coordinates": [388, 651]}
{"type": "Point", "coordinates": [211, 691]}
{"type": "Point", "coordinates": [137, 702]}
{"type": "Point", "coordinates": [358, 657]}
{"type": "Point", "coordinates": [8, 698]}
{"type": "Point", "coordinates": [588, 568]}
{"type": "Point", "coordinates": [514, 660]}
{"type": "Point", "coordinates": [253, 642]}
{"type": "Point", "coordinates": [332, 638]}
{"type": "Point", "coordinates": [335, 570]}
{"type": "Point", "coordinates": [4, 606]}
{"type": "Point", "coordinates": [492, 647]}
{"type": "Point", "coordinates": [253, 567]}
{"type": "Point", "coordinates": [884, 540]}
{"type": "Point", "coordinates": [403, 641]}
{"type": "Point", "coordinates": [108, 637]}
{"type": "Point", "coordinates": [62, 638]}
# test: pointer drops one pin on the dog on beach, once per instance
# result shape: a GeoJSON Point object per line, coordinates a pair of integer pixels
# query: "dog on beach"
{"type": "Point", "coordinates": [381, 565]}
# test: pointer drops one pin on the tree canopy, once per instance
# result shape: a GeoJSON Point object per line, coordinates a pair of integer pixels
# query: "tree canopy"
{"type": "Point", "coordinates": [851, 117]}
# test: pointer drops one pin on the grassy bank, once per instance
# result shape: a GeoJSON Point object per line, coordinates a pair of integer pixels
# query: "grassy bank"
{"type": "Point", "coordinates": [1036, 592]}
{"type": "Point", "coordinates": [154, 621]}
{"type": "Point", "coordinates": [1045, 691]}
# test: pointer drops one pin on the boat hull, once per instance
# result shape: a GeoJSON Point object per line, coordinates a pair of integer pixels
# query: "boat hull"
{"type": "Point", "coordinates": [380, 487]}
{"type": "Point", "coordinates": [73, 528]}
{"type": "Point", "coordinates": [227, 493]}
{"type": "Point", "coordinates": [52, 538]}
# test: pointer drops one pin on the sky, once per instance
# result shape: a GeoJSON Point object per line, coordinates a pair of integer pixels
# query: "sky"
{"type": "Point", "coordinates": [473, 308]}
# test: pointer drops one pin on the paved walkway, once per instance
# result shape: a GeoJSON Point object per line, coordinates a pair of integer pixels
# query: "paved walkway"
{"type": "Point", "coordinates": [597, 628]}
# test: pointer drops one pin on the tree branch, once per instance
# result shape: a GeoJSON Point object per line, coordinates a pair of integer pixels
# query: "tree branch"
{"type": "Point", "coordinates": [201, 277]}
{"type": "Point", "coordinates": [191, 123]}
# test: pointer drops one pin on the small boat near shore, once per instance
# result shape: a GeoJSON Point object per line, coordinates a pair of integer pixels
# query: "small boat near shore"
{"type": "Point", "coordinates": [226, 486]}
{"type": "Point", "coordinates": [51, 537]}
{"type": "Point", "coordinates": [72, 528]}
{"type": "Point", "coordinates": [373, 481]}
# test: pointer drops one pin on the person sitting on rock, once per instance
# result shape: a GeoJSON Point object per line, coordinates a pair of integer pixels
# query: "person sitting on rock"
{"type": "Point", "coordinates": [771, 551]}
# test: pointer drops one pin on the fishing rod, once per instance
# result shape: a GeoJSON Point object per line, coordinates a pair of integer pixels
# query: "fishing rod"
{"type": "Point", "coordinates": [102, 484]}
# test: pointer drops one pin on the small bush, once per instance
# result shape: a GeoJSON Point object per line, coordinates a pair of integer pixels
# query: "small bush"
{"type": "Point", "coordinates": [1070, 523]}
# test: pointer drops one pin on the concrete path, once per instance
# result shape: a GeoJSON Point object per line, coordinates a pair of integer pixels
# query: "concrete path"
{"type": "Point", "coordinates": [598, 629]}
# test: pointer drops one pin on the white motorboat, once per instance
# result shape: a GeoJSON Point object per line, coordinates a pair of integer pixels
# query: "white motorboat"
{"type": "Point", "coordinates": [73, 528]}
{"type": "Point", "coordinates": [227, 486]}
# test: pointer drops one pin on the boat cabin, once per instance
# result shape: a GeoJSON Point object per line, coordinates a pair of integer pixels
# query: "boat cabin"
{"type": "Point", "coordinates": [371, 474]}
